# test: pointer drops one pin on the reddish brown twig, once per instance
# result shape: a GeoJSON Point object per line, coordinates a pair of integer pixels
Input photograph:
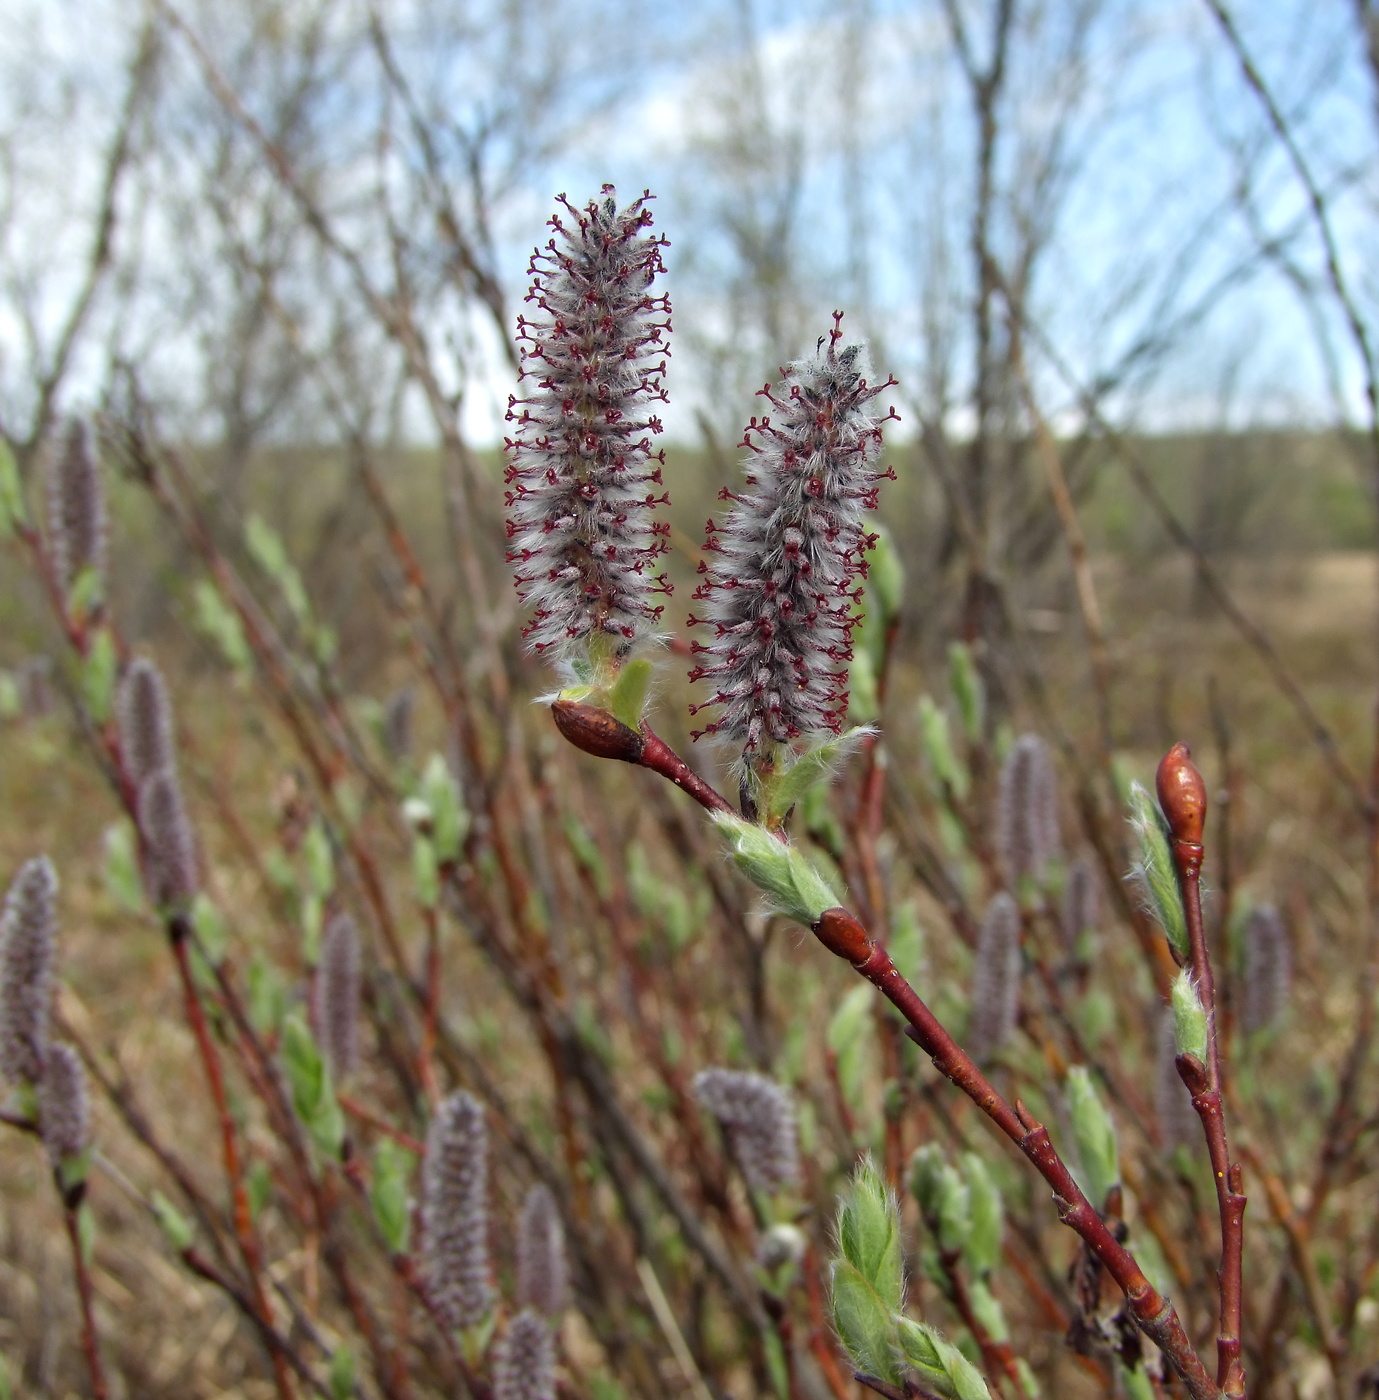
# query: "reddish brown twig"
{"type": "Point", "coordinates": [1183, 797]}
{"type": "Point", "coordinates": [90, 1338]}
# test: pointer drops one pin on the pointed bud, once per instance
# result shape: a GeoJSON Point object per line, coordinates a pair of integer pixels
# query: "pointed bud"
{"type": "Point", "coordinates": [145, 720]}
{"type": "Point", "coordinates": [596, 731]}
{"type": "Point", "coordinates": [64, 1111]}
{"type": "Point", "coordinates": [867, 1283]}
{"type": "Point", "coordinates": [336, 999]}
{"type": "Point", "coordinates": [790, 882]}
{"type": "Point", "coordinates": [1027, 836]}
{"type": "Point", "coordinates": [169, 846]}
{"type": "Point", "coordinates": [76, 511]}
{"type": "Point", "coordinates": [995, 979]}
{"type": "Point", "coordinates": [524, 1360]}
{"type": "Point", "coordinates": [1268, 969]}
{"type": "Point", "coordinates": [455, 1211]}
{"type": "Point", "coordinates": [28, 953]}
{"type": "Point", "coordinates": [1155, 870]}
{"type": "Point", "coordinates": [542, 1282]}
{"type": "Point", "coordinates": [1182, 795]}
{"type": "Point", "coordinates": [758, 1118]}
{"type": "Point", "coordinates": [1095, 1136]}
{"type": "Point", "coordinates": [1189, 1017]}
{"type": "Point", "coordinates": [940, 1366]}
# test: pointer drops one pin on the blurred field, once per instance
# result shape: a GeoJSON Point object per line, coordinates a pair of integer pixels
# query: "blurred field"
{"type": "Point", "coordinates": [1181, 672]}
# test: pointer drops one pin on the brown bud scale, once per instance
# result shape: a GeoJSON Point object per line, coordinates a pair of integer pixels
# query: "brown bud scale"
{"type": "Point", "coordinates": [596, 731]}
{"type": "Point", "coordinates": [1182, 795]}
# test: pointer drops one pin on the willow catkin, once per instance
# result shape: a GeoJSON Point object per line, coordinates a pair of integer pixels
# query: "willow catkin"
{"type": "Point", "coordinates": [1268, 966]}
{"type": "Point", "coordinates": [1080, 909]}
{"type": "Point", "coordinates": [145, 722]}
{"type": "Point", "coordinates": [524, 1359]}
{"type": "Point", "coordinates": [779, 595]}
{"type": "Point", "coordinates": [1027, 835]}
{"type": "Point", "coordinates": [170, 864]}
{"type": "Point", "coordinates": [758, 1118]}
{"type": "Point", "coordinates": [335, 1003]}
{"type": "Point", "coordinates": [28, 955]}
{"type": "Point", "coordinates": [76, 508]}
{"type": "Point", "coordinates": [995, 979]}
{"type": "Point", "coordinates": [581, 472]}
{"type": "Point", "coordinates": [542, 1280]}
{"type": "Point", "coordinates": [454, 1210]}
{"type": "Point", "coordinates": [64, 1108]}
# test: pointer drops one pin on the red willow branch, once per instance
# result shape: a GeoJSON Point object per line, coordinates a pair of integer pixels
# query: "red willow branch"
{"type": "Point", "coordinates": [90, 1338]}
{"type": "Point", "coordinates": [600, 734]}
{"type": "Point", "coordinates": [1183, 797]}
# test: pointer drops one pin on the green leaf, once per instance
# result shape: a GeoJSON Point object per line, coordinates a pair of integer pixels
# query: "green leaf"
{"type": "Point", "coordinates": [939, 1364]}
{"type": "Point", "coordinates": [926, 1173]}
{"type": "Point", "coordinates": [782, 791]}
{"type": "Point", "coordinates": [627, 696]}
{"type": "Point", "coordinates": [988, 1311]}
{"type": "Point", "coordinates": [86, 1231]}
{"type": "Point", "coordinates": [848, 1036]}
{"type": "Point", "coordinates": [98, 670]}
{"type": "Point", "coordinates": [965, 681]}
{"type": "Point", "coordinates": [6, 1386]}
{"type": "Point", "coordinates": [216, 620]}
{"type": "Point", "coordinates": [864, 697]}
{"type": "Point", "coordinates": [1189, 1017]}
{"type": "Point", "coordinates": [267, 1001]}
{"type": "Point", "coordinates": [425, 872]}
{"type": "Point", "coordinates": [791, 884]}
{"type": "Point", "coordinates": [1095, 1136]}
{"type": "Point", "coordinates": [869, 1234]}
{"type": "Point", "coordinates": [953, 1214]}
{"type": "Point", "coordinates": [1155, 869]}
{"type": "Point", "coordinates": [210, 928]}
{"type": "Point", "coordinates": [121, 872]}
{"type": "Point", "coordinates": [449, 818]}
{"type": "Point", "coordinates": [982, 1251]}
{"type": "Point", "coordinates": [885, 574]}
{"type": "Point", "coordinates": [342, 1374]}
{"type": "Point", "coordinates": [313, 1095]}
{"type": "Point", "coordinates": [319, 860]}
{"type": "Point", "coordinates": [388, 1194]}
{"type": "Point", "coordinates": [84, 596]}
{"type": "Point", "coordinates": [865, 1325]}
{"type": "Point", "coordinates": [258, 1185]}
{"type": "Point", "coordinates": [590, 860]}
{"type": "Point", "coordinates": [13, 512]}
{"type": "Point", "coordinates": [943, 760]}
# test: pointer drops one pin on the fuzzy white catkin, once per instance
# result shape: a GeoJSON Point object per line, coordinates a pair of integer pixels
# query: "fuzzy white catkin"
{"type": "Point", "coordinates": [28, 954]}
{"type": "Point", "coordinates": [581, 473]}
{"type": "Point", "coordinates": [1027, 836]}
{"type": "Point", "coordinates": [542, 1280]}
{"type": "Point", "coordinates": [64, 1108]}
{"type": "Point", "coordinates": [758, 1118]}
{"type": "Point", "coordinates": [169, 845]}
{"type": "Point", "coordinates": [454, 1211]}
{"type": "Point", "coordinates": [76, 507]}
{"type": "Point", "coordinates": [1080, 910]}
{"type": "Point", "coordinates": [336, 995]}
{"type": "Point", "coordinates": [524, 1360]}
{"type": "Point", "coordinates": [1267, 971]}
{"type": "Point", "coordinates": [995, 979]}
{"type": "Point", "coordinates": [780, 594]}
{"type": "Point", "coordinates": [145, 722]}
